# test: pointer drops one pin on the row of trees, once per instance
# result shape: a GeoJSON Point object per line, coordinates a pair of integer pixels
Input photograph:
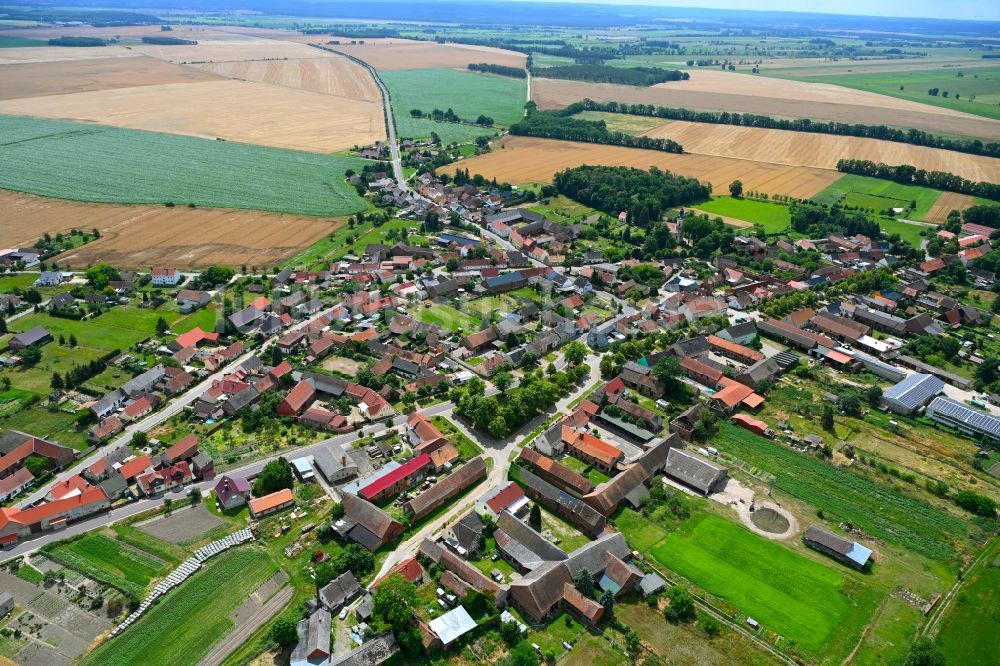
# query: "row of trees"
{"type": "Point", "coordinates": [614, 189]}
{"type": "Point", "coordinates": [500, 70]}
{"type": "Point", "coordinates": [912, 136]}
{"type": "Point", "coordinates": [560, 125]}
{"type": "Point", "coordinates": [600, 73]}
{"type": "Point", "coordinates": [819, 222]}
{"type": "Point", "coordinates": [908, 174]}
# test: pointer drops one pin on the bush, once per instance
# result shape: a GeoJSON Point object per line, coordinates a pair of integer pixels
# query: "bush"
{"type": "Point", "coordinates": [975, 503]}
{"type": "Point", "coordinates": [283, 631]}
{"type": "Point", "coordinates": [681, 606]}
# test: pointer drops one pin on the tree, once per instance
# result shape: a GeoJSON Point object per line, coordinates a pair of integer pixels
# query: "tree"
{"type": "Point", "coordinates": [828, 419]}
{"type": "Point", "coordinates": [36, 465]}
{"type": "Point", "coordinates": [510, 632]}
{"type": "Point", "coordinates": [873, 396]}
{"type": "Point", "coordinates": [632, 643]}
{"type": "Point", "coordinates": [668, 371]}
{"type": "Point", "coordinates": [139, 441]}
{"type": "Point", "coordinates": [195, 495]}
{"type": "Point", "coordinates": [503, 380]}
{"type": "Point", "coordinates": [72, 340]}
{"type": "Point", "coordinates": [583, 581]}
{"type": "Point", "coordinates": [393, 600]}
{"type": "Point", "coordinates": [923, 652]}
{"type": "Point", "coordinates": [3, 325]}
{"type": "Point", "coordinates": [168, 504]}
{"type": "Point", "coordinates": [681, 606]}
{"type": "Point", "coordinates": [284, 631]}
{"type": "Point", "coordinates": [161, 326]}
{"type": "Point", "coordinates": [709, 625]}
{"type": "Point", "coordinates": [535, 517]}
{"type": "Point", "coordinates": [575, 353]}
{"type": "Point", "coordinates": [976, 503]}
{"type": "Point", "coordinates": [736, 189]}
{"type": "Point", "coordinates": [30, 356]}
{"type": "Point", "coordinates": [57, 382]}
{"type": "Point", "coordinates": [524, 655]}
{"type": "Point", "coordinates": [608, 367]}
{"type": "Point", "coordinates": [100, 275]}
{"type": "Point", "coordinates": [276, 475]}
{"type": "Point", "coordinates": [452, 265]}
{"type": "Point", "coordinates": [608, 601]}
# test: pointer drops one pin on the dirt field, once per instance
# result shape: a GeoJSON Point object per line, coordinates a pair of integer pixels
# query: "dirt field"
{"type": "Point", "coordinates": [947, 202]}
{"type": "Point", "coordinates": [183, 525]}
{"type": "Point", "coordinates": [143, 236]}
{"type": "Point", "coordinates": [525, 160]}
{"type": "Point", "coordinates": [122, 32]}
{"type": "Point", "coordinates": [62, 54]}
{"type": "Point", "coordinates": [234, 110]}
{"type": "Point", "coordinates": [405, 54]}
{"type": "Point", "coordinates": [329, 76]}
{"type": "Point", "coordinates": [819, 150]}
{"type": "Point", "coordinates": [743, 93]}
{"type": "Point", "coordinates": [226, 47]}
{"type": "Point", "coordinates": [36, 79]}
{"type": "Point", "coordinates": [342, 365]}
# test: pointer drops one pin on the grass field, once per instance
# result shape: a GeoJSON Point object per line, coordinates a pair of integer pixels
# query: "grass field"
{"type": "Point", "coordinates": [974, 621]}
{"type": "Point", "coordinates": [113, 165]}
{"type": "Point", "coordinates": [879, 194]}
{"type": "Point", "coordinates": [879, 510]}
{"type": "Point", "coordinates": [641, 533]}
{"type": "Point", "coordinates": [978, 87]}
{"type": "Point", "coordinates": [466, 93]}
{"type": "Point", "coordinates": [908, 232]}
{"type": "Point", "coordinates": [7, 42]}
{"type": "Point", "coordinates": [187, 622]}
{"type": "Point", "coordinates": [622, 122]}
{"type": "Point", "coordinates": [421, 128]}
{"type": "Point", "coordinates": [772, 216]}
{"type": "Point", "coordinates": [800, 599]}
{"type": "Point", "coordinates": [447, 317]}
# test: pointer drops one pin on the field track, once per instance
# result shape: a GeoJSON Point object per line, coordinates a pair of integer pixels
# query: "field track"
{"type": "Point", "coordinates": [527, 160]}
{"type": "Point", "coordinates": [819, 150]}
{"type": "Point", "coordinates": [143, 236]}
{"type": "Point", "coordinates": [769, 97]}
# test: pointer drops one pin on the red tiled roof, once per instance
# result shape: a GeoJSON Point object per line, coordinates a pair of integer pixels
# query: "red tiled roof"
{"type": "Point", "coordinates": [135, 466]}
{"type": "Point", "coordinates": [73, 485]}
{"type": "Point", "coordinates": [48, 509]}
{"type": "Point", "coordinates": [505, 498]}
{"type": "Point", "coordinates": [195, 336]}
{"type": "Point", "coordinates": [138, 408]}
{"type": "Point", "coordinates": [268, 502]}
{"type": "Point", "coordinates": [591, 446]}
{"type": "Point", "coordinates": [403, 471]}
{"type": "Point", "coordinates": [186, 448]}
{"type": "Point", "coordinates": [409, 569]}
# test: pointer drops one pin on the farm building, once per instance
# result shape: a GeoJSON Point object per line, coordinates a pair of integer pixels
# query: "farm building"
{"type": "Point", "coordinates": [912, 393]}
{"type": "Point", "coordinates": [523, 547]}
{"type": "Point", "coordinates": [695, 472]}
{"type": "Point", "coordinates": [848, 552]}
{"type": "Point", "coordinates": [366, 524]}
{"type": "Point", "coordinates": [952, 413]}
{"type": "Point", "coordinates": [273, 503]}
{"type": "Point", "coordinates": [583, 516]}
{"type": "Point", "coordinates": [36, 336]}
{"type": "Point", "coordinates": [334, 464]}
{"type": "Point", "coordinates": [591, 449]}
{"type": "Point", "coordinates": [405, 476]}
{"type": "Point", "coordinates": [313, 647]}
{"type": "Point", "coordinates": [753, 425]}
{"type": "Point", "coordinates": [504, 498]}
{"type": "Point", "coordinates": [16, 524]}
{"type": "Point", "coordinates": [462, 478]}
{"type": "Point", "coordinates": [556, 474]}
{"type": "Point", "coordinates": [453, 624]}
{"type": "Point", "coordinates": [374, 652]}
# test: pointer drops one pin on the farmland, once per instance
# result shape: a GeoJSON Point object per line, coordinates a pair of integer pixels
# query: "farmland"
{"type": "Point", "coordinates": [421, 128]}
{"type": "Point", "coordinates": [801, 599]}
{"type": "Point", "coordinates": [530, 160]}
{"type": "Point", "coordinates": [467, 93]}
{"type": "Point", "coordinates": [976, 615]}
{"type": "Point", "coordinates": [773, 217]}
{"type": "Point", "coordinates": [336, 76]}
{"type": "Point", "coordinates": [393, 54]}
{"type": "Point", "coordinates": [745, 93]}
{"type": "Point", "coordinates": [107, 560]}
{"type": "Point", "coordinates": [113, 165]}
{"type": "Point", "coordinates": [181, 628]}
{"type": "Point", "coordinates": [882, 511]}
{"type": "Point", "coordinates": [878, 195]}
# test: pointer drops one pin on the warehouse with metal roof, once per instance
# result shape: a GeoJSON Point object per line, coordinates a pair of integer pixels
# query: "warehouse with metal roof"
{"type": "Point", "coordinates": [952, 413]}
{"type": "Point", "coordinates": [912, 393]}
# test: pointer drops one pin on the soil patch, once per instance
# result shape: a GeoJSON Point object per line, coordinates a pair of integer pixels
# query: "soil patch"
{"type": "Point", "coordinates": [182, 526]}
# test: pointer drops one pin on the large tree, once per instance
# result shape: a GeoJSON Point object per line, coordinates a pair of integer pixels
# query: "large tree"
{"type": "Point", "coordinates": [276, 475]}
{"type": "Point", "coordinates": [393, 600]}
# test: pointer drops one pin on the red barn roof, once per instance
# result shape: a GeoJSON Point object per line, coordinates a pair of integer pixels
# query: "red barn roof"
{"type": "Point", "coordinates": [395, 476]}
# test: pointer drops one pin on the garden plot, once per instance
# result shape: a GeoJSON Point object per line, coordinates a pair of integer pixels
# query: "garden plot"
{"type": "Point", "coordinates": [182, 525]}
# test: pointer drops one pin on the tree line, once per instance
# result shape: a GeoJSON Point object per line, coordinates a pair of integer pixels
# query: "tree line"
{"type": "Point", "coordinates": [560, 125]}
{"type": "Point", "coordinates": [911, 136]}
{"type": "Point", "coordinates": [819, 222]}
{"type": "Point", "coordinates": [501, 70]}
{"type": "Point", "coordinates": [601, 73]}
{"type": "Point", "coordinates": [168, 41]}
{"type": "Point", "coordinates": [908, 174]}
{"type": "Point", "coordinates": [644, 194]}
{"type": "Point", "coordinates": [78, 41]}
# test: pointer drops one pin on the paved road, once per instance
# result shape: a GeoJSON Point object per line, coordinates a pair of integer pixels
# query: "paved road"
{"type": "Point", "coordinates": [390, 126]}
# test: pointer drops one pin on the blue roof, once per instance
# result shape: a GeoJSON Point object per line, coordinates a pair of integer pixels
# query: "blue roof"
{"type": "Point", "coordinates": [859, 553]}
{"type": "Point", "coordinates": [461, 240]}
{"type": "Point", "coordinates": [914, 391]}
{"type": "Point", "coordinates": [505, 278]}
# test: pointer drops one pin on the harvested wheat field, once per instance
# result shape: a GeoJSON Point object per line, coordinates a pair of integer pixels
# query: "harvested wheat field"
{"type": "Point", "coordinates": [226, 47]}
{"type": "Point", "coordinates": [239, 111]}
{"type": "Point", "coordinates": [37, 79]}
{"type": "Point", "coordinates": [405, 54]}
{"type": "Point", "coordinates": [121, 32]}
{"type": "Point", "coordinates": [143, 236]}
{"type": "Point", "coordinates": [329, 76]}
{"type": "Point", "coordinates": [947, 202]}
{"type": "Point", "coordinates": [819, 150]}
{"type": "Point", "coordinates": [530, 160]}
{"type": "Point", "coordinates": [63, 53]}
{"type": "Point", "coordinates": [749, 94]}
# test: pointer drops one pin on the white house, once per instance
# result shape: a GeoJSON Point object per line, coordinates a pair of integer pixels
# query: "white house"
{"type": "Point", "coordinates": [166, 276]}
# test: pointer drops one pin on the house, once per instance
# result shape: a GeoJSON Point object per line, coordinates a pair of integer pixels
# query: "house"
{"type": "Point", "coordinates": [523, 547]}
{"type": "Point", "coordinates": [366, 524]}
{"type": "Point", "coordinates": [313, 648]}
{"type": "Point", "coordinates": [15, 484]}
{"type": "Point", "coordinates": [18, 524]}
{"type": "Point", "coordinates": [335, 464]}
{"type": "Point", "coordinates": [423, 436]}
{"type": "Point", "coordinates": [641, 377]}
{"type": "Point", "coordinates": [695, 472]}
{"type": "Point", "coordinates": [591, 450]}
{"type": "Point", "coordinates": [165, 479]}
{"type": "Point", "coordinates": [912, 393]}
{"type": "Point", "coordinates": [273, 503]}
{"type": "Point", "coordinates": [732, 395]}
{"type": "Point", "coordinates": [402, 478]}
{"type": "Point", "coordinates": [49, 279]}
{"type": "Point", "coordinates": [232, 492]}
{"type": "Point", "coordinates": [409, 569]}
{"type": "Point", "coordinates": [300, 397]}
{"type": "Point", "coordinates": [16, 447]}
{"type": "Point", "coordinates": [36, 336]}
{"type": "Point", "coordinates": [559, 475]}
{"type": "Point", "coordinates": [843, 550]}
{"type": "Point", "coordinates": [467, 532]}
{"type": "Point", "coordinates": [459, 480]}
{"type": "Point", "coordinates": [341, 590]}
{"type": "Point", "coordinates": [165, 277]}
{"type": "Point", "coordinates": [734, 350]}
{"type": "Point", "coordinates": [137, 409]}
{"type": "Point", "coordinates": [508, 497]}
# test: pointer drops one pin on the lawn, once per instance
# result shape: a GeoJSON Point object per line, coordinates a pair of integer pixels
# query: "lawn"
{"type": "Point", "coordinates": [797, 597]}
{"type": "Point", "coordinates": [879, 510]}
{"type": "Point", "coordinates": [640, 532]}
{"type": "Point", "coordinates": [114, 165]}
{"type": "Point", "coordinates": [879, 194]}
{"type": "Point", "coordinates": [908, 232]}
{"type": "Point", "coordinates": [773, 217]}
{"type": "Point", "coordinates": [446, 316]}
{"type": "Point", "coordinates": [466, 447]}
{"type": "Point", "coordinates": [968, 636]}
{"type": "Point", "coordinates": [563, 209]}
{"type": "Point", "coordinates": [468, 94]}
{"type": "Point", "coordinates": [189, 620]}
{"type": "Point", "coordinates": [409, 127]}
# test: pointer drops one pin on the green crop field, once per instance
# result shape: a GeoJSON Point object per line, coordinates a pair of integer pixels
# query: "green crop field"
{"type": "Point", "coordinates": [978, 87]}
{"type": "Point", "coordinates": [797, 597]}
{"type": "Point", "coordinates": [18, 42]}
{"type": "Point", "coordinates": [468, 94]}
{"type": "Point", "coordinates": [772, 216]}
{"type": "Point", "coordinates": [908, 232]}
{"type": "Point", "coordinates": [108, 560]}
{"type": "Point", "coordinates": [967, 638]}
{"type": "Point", "coordinates": [878, 194]}
{"type": "Point", "coordinates": [113, 165]}
{"type": "Point", "coordinates": [879, 510]}
{"type": "Point", "coordinates": [409, 127]}
{"type": "Point", "coordinates": [641, 533]}
{"type": "Point", "coordinates": [189, 620]}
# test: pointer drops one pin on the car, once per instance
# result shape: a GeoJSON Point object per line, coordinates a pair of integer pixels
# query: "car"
{"type": "Point", "coordinates": [343, 613]}
{"type": "Point", "coordinates": [568, 646]}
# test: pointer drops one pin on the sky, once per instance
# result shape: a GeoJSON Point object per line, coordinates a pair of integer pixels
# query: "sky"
{"type": "Point", "coordinates": [982, 10]}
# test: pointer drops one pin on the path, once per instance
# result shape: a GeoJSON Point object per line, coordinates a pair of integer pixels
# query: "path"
{"type": "Point", "coordinates": [247, 627]}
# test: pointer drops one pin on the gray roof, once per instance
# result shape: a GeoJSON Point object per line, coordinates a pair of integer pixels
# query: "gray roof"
{"type": "Point", "coordinates": [914, 391]}
{"type": "Point", "coordinates": [331, 464]}
{"type": "Point", "coordinates": [114, 486]}
{"type": "Point", "coordinates": [973, 419]}
{"type": "Point", "coordinates": [245, 316]}
{"type": "Point", "coordinates": [314, 640]}
{"type": "Point", "coordinates": [339, 590]}
{"type": "Point", "coordinates": [651, 583]}
{"type": "Point", "coordinates": [838, 544]}
{"type": "Point", "coordinates": [28, 338]}
{"type": "Point", "coordinates": [468, 530]}
{"type": "Point", "coordinates": [535, 546]}
{"type": "Point", "coordinates": [334, 386]}
{"type": "Point", "coordinates": [145, 381]}
{"type": "Point", "coordinates": [578, 509]}
{"type": "Point", "coordinates": [452, 624]}
{"type": "Point", "coordinates": [692, 470]}
{"type": "Point", "coordinates": [372, 653]}
{"type": "Point", "coordinates": [590, 556]}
